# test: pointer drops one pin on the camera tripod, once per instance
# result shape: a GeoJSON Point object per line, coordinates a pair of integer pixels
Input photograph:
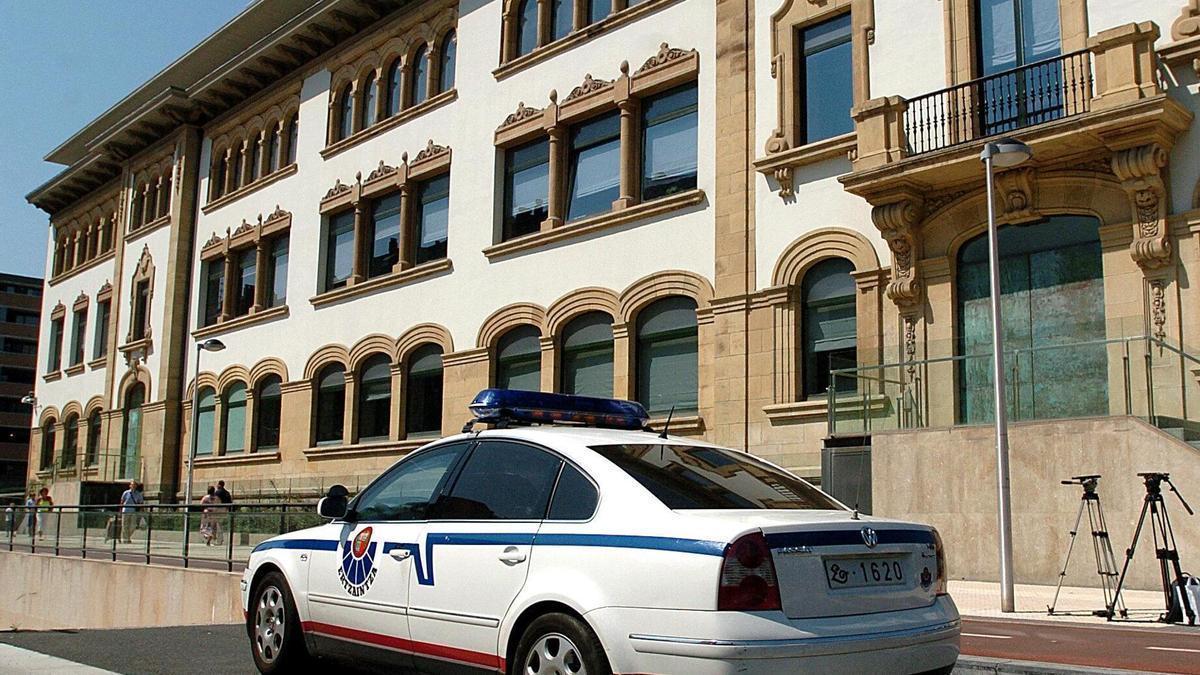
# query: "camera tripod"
{"type": "Point", "coordinates": [1106, 563]}
{"type": "Point", "coordinates": [1164, 547]}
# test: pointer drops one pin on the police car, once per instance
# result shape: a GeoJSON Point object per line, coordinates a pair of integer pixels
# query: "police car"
{"type": "Point", "coordinates": [568, 538]}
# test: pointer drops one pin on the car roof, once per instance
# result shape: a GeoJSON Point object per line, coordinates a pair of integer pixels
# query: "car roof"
{"type": "Point", "coordinates": [556, 435]}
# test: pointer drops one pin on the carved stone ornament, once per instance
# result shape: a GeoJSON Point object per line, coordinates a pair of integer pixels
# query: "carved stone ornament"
{"type": "Point", "coordinates": [1187, 25]}
{"type": "Point", "coordinates": [244, 227]}
{"type": "Point", "coordinates": [521, 114]}
{"type": "Point", "coordinates": [380, 171]}
{"type": "Point", "coordinates": [1158, 308]}
{"type": "Point", "coordinates": [1140, 171]}
{"type": "Point", "coordinates": [81, 299]}
{"type": "Point", "coordinates": [897, 223]}
{"type": "Point", "coordinates": [431, 150]}
{"type": "Point", "coordinates": [665, 55]}
{"type": "Point", "coordinates": [214, 240]}
{"type": "Point", "coordinates": [589, 85]}
{"type": "Point", "coordinates": [776, 143]}
{"type": "Point", "coordinates": [1017, 192]}
{"type": "Point", "coordinates": [338, 188]}
{"type": "Point", "coordinates": [910, 345]}
{"type": "Point", "coordinates": [784, 176]}
{"type": "Point", "coordinates": [935, 204]}
{"type": "Point", "coordinates": [279, 213]}
{"type": "Point", "coordinates": [106, 288]}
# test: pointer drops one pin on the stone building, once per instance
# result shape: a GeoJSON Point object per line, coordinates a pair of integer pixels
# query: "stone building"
{"type": "Point", "coordinates": [765, 216]}
{"type": "Point", "coordinates": [20, 312]}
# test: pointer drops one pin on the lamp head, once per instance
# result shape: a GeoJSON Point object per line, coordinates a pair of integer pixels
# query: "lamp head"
{"type": "Point", "coordinates": [1006, 152]}
{"type": "Point", "coordinates": [29, 399]}
{"type": "Point", "coordinates": [211, 345]}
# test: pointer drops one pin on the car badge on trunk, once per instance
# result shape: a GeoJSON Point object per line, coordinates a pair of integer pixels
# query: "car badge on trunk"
{"type": "Point", "coordinates": [870, 537]}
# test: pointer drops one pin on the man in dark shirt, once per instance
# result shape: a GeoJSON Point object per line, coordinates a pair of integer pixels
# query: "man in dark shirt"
{"type": "Point", "coordinates": [223, 494]}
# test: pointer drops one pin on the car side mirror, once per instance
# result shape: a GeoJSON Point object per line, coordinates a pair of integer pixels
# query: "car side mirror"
{"type": "Point", "coordinates": [334, 504]}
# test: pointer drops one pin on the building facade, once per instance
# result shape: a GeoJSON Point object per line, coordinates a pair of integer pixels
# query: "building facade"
{"type": "Point", "coordinates": [764, 217]}
{"type": "Point", "coordinates": [20, 315]}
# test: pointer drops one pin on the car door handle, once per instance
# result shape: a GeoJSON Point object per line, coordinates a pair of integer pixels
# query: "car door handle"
{"type": "Point", "coordinates": [512, 556]}
{"type": "Point", "coordinates": [400, 554]}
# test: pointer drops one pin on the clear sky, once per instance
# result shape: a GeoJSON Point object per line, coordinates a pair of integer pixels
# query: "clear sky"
{"type": "Point", "coordinates": [63, 63]}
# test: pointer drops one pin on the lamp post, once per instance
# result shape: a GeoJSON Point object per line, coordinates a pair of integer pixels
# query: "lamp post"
{"type": "Point", "coordinates": [1004, 153]}
{"type": "Point", "coordinates": [209, 345]}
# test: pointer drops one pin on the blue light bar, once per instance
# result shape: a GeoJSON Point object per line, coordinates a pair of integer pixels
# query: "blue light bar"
{"type": "Point", "coordinates": [534, 407]}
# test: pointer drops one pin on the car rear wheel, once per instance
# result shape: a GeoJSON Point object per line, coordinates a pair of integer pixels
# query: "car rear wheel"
{"type": "Point", "coordinates": [559, 644]}
{"type": "Point", "coordinates": [275, 638]}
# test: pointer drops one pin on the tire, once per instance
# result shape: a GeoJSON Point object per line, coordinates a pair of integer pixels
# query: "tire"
{"type": "Point", "coordinates": [559, 643]}
{"type": "Point", "coordinates": [276, 641]}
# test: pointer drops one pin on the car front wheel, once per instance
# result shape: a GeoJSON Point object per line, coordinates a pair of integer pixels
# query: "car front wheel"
{"type": "Point", "coordinates": [275, 637]}
{"type": "Point", "coordinates": [559, 643]}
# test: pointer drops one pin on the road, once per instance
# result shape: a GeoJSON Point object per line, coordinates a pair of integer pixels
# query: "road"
{"type": "Point", "coordinates": [203, 650]}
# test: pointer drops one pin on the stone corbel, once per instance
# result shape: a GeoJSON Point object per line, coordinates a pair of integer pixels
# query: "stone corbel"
{"type": "Point", "coordinates": [1017, 190]}
{"type": "Point", "coordinates": [1140, 171]}
{"type": "Point", "coordinates": [897, 222]}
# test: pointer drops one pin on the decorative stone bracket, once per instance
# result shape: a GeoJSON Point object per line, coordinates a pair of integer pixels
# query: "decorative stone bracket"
{"type": "Point", "coordinates": [897, 222]}
{"type": "Point", "coordinates": [1140, 171]}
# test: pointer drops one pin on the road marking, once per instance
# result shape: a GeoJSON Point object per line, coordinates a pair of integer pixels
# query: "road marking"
{"type": "Point", "coordinates": [988, 635]}
{"type": "Point", "coordinates": [17, 660]}
{"type": "Point", "coordinates": [1173, 649]}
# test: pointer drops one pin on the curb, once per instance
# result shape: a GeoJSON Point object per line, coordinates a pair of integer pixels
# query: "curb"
{"type": "Point", "coordinates": [979, 665]}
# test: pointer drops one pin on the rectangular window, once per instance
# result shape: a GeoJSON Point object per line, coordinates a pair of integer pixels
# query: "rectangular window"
{"type": "Point", "coordinates": [825, 74]}
{"type": "Point", "coordinates": [526, 188]}
{"type": "Point", "coordinates": [100, 344]}
{"type": "Point", "coordinates": [339, 251]}
{"type": "Point", "coordinates": [56, 340]}
{"type": "Point", "coordinates": [78, 331]}
{"type": "Point", "coordinates": [669, 143]}
{"type": "Point", "coordinates": [141, 309]}
{"type": "Point", "coordinates": [247, 266]}
{"type": "Point", "coordinates": [595, 167]}
{"type": "Point", "coordinates": [20, 316]}
{"type": "Point", "coordinates": [385, 242]}
{"type": "Point", "coordinates": [279, 265]}
{"type": "Point", "coordinates": [16, 375]}
{"type": "Point", "coordinates": [12, 345]}
{"type": "Point", "coordinates": [214, 290]}
{"type": "Point", "coordinates": [433, 219]}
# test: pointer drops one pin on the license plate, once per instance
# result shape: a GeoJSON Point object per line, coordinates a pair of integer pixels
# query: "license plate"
{"type": "Point", "coordinates": [859, 572]}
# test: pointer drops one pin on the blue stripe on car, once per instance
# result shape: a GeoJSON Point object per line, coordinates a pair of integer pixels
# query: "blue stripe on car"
{"type": "Point", "coordinates": [302, 544]}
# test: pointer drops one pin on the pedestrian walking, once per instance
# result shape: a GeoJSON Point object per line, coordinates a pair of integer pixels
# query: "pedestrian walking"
{"type": "Point", "coordinates": [10, 519]}
{"type": "Point", "coordinates": [226, 500]}
{"type": "Point", "coordinates": [223, 494]}
{"type": "Point", "coordinates": [31, 515]}
{"type": "Point", "coordinates": [43, 504]}
{"type": "Point", "coordinates": [131, 499]}
{"type": "Point", "coordinates": [209, 527]}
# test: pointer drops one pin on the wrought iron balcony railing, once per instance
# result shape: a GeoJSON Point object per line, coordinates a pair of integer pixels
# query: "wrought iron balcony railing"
{"type": "Point", "coordinates": [1001, 103]}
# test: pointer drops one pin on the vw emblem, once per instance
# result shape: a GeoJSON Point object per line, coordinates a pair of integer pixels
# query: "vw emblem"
{"type": "Point", "coordinates": [870, 537]}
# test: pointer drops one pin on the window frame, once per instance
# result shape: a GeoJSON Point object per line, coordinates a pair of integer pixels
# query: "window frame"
{"type": "Point", "coordinates": [260, 403]}
{"type": "Point", "coordinates": [451, 472]}
{"type": "Point", "coordinates": [406, 389]}
{"type": "Point", "coordinates": [318, 405]}
{"type": "Point", "coordinates": [361, 402]}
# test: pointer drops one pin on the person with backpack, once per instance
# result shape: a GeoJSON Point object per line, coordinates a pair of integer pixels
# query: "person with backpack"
{"type": "Point", "coordinates": [131, 499]}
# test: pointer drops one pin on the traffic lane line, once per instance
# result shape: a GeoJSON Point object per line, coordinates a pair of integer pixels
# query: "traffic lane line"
{"type": "Point", "coordinates": [1174, 649]}
{"type": "Point", "coordinates": [987, 635]}
{"type": "Point", "coordinates": [18, 660]}
{"type": "Point", "coordinates": [1083, 645]}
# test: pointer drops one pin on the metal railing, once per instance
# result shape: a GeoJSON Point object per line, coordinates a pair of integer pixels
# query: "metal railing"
{"type": "Point", "coordinates": [215, 537]}
{"type": "Point", "coordinates": [1138, 376]}
{"type": "Point", "coordinates": [107, 466]}
{"type": "Point", "coordinates": [1000, 103]}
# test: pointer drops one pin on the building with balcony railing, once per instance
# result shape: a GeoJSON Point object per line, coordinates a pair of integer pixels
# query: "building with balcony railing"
{"type": "Point", "coordinates": [765, 217]}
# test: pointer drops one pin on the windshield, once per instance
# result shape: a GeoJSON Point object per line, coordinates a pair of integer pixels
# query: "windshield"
{"type": "Point", "coordinates": [691, 477]}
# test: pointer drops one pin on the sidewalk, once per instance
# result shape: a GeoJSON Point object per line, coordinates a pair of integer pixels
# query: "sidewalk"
{"type": "Point", "coordinates": [1075, 604]}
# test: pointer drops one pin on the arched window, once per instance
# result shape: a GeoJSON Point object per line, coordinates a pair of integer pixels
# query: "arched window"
{"type": "Point", "coordinates": [562, 17]}
{"type": "Point", "coordinates": [234, 421]}
{"type": "Point", "coordinates": [330, 412]}
{"type": "Point", "coordinates": [139, 202]}
{"type": "Point", "coordinates": [667, 361]}
{"type": "Point", "coordinates": [828, 326]}
{"type": "Point", "coordinates": [267, 409]}
{"type": "Point", "coordinates": [70, 441]}
{"type": "Point", "coordinates": [587, 356]}
{"type": "Point", "coordinates": [206, 420]}
{"type": "Point", "coordinates": [375, 399]}
{"type": "Point", "coordinates": [423, 393]}
{"type": "Point", "coordinates": [239, 167]}
{"type": "Point", "coordinates": [273, 150]}
{"type": "Point", "coordinates": [369, 98]}
{"type": "Point", "coordinates": [395, 92]}
{"type": "Point", "coordinates": [527, 27]}
{"type": "Point", "coordinates": [293, 132]}
{"type": "Point", "coordinates": [218, 178]}
{"type": "Point", "coordinates": [446, 66]}
{"type": "Point", "coordinates": [256, 150]}
{"type": "Point", "coordinates": [598, 10]}
{"type": "Point", "coordinates": [418, 85]}
{"type": "Point", "coordinates": [49, 438]}
{"type": "Point", "coordinates": [519, 359]}
{"type": "Point", "coordinates": [345, 113]}
{"type": "Point", "coordinates": [92, 450]}
{"type": "Point", "coordinates": [164, 195]}
{"type": "Point", "coordinates": [131, 434]}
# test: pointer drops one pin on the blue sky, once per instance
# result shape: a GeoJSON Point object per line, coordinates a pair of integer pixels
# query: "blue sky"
{"type": "Point", "coordinates": [62, 63]}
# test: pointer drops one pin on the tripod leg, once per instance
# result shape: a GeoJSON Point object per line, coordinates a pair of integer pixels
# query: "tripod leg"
{"type": "Point", "coordinates": [1105, 561]}
{"type": "Point", "coordinates": [1137, 532]}
{"type": "Point", "coordinates": [1070, 547]}
{"type": "Point", "coordinates": [1185, 610]}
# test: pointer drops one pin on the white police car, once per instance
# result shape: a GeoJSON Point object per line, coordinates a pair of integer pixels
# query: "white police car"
{"type": "Point", "coordinates": [597, 549]}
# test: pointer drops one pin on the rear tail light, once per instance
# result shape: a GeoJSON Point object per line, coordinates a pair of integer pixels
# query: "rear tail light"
{"type": "Point", "coordinates": [748, 581]}
{"type": "Point", "coordinates": [939, 551]}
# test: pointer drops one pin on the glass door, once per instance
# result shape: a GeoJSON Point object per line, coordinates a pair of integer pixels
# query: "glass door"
{"type": "Point", "coordinates": [131, 439]}
{"type": "Point", "coordinates": [1012, 35]}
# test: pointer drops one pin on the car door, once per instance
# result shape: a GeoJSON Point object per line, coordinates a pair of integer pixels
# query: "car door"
{"type": "Point", "coordinates": [358, 590]}
{"type": "Point", "coordinates": [475, 552]}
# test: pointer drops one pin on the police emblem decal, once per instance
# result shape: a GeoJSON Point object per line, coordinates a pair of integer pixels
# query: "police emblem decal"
{"type": "Point", "coordinates": [357, 570]}
{"type": "Point", "coordinates": [870, 537]}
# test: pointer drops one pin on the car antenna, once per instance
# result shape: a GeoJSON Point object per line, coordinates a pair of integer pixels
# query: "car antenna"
{"type": "Point", "coordinates": [667, 425]}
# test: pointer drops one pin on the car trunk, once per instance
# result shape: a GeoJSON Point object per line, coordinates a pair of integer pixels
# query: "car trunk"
{"type": "Point", "coordinates": [825, 567]}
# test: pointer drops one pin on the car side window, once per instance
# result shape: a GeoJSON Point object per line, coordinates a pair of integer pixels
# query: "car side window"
{"type": "Point", "coordinates": [501, 480]}
{"type": "Point", "coordinates": [405, 492]}
{"type": "Point", "coordinates": [574, 498]}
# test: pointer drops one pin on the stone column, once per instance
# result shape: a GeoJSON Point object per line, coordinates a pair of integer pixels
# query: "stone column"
{"type": "Point", "coordinates": [622, 362]}
{"type": "Point", "coordinates": [349, 418]}
{"type": "Point", "coordinates": [630, 151]}
{"type": "Point", "coordinates": [249, 440]}
{"type": "Point", "coordinates": [558, 163]}
{"type": "Point", "coordinates": [549, 365]}
{"type": "Point", "coordinates": [228, 308]}
{"type": "Point", "coordinates": [230, 168]}
{"type": "Point", "coordinates": [261, 261]}
{"type": "Point", "coordinates": [545, 28]}
{"type": "Point", "coordinates": [407, 233]}
{"type": "Point", "coordinates": [396, 419]}
{"type": "Point", "coordinates": [359, 266]}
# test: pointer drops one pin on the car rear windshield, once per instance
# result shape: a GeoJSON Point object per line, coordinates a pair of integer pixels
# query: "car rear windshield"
{"type": "Point", "coordinates": [692, 477]}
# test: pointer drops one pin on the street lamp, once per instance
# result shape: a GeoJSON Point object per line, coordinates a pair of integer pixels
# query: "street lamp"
{"type": "Point", "coordinates": [209, 345]}
{"type": "Point", "coordinates": [1003, 152]}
